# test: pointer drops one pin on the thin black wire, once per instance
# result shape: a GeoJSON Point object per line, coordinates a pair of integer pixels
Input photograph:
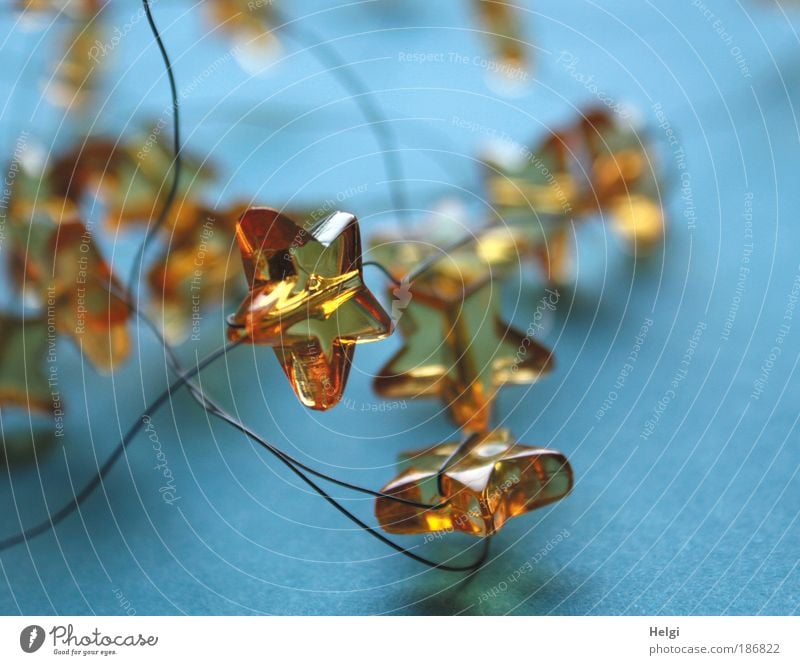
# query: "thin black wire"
{"type": "Point", "coordinates": [384, 270]}
{"type": "Point", "coordinates": [176, 146]}
{"type": "Point", "coordinates": [76, 501]}
{"type": "Point", "coordinates": [213, 408]}
{"type": "Point", "coordinates": [362, 96]}
{"type": "Point", "coordinates": [388, 142]}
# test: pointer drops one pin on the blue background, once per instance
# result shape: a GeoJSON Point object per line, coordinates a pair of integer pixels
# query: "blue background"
{"type": "Point", "coordinates": [699, 517]}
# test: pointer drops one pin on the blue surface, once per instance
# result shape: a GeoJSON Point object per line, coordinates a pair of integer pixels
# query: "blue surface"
{"type": "Point", "coordinates": [698, 517]}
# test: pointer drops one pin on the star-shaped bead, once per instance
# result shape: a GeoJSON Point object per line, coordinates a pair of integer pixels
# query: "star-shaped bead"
{"type": "Point", "coordinates": [193, 271]}
{"type": "Point", "coordinates": [131, 179]}
{"type": "Point", "coordinates": [23, 383]}
{"type": "Point", "coordinates": [485, 481]}
{"type": "Point", "coordinates": [456, 345]}
{"type": "Point", "coordinates": [307, 299]}
{"type": "Point", "coordinates": [595, 166]}
{"type": "Point", "coordinates": [54, 263]}
{"type": "Point", "coordinates": [87, 299]}
{"type": "Point", "coordinates": [501, 26]}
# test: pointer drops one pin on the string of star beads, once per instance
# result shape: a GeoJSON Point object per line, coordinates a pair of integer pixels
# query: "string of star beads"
{"type": "Point", "coordinates": [308, 301]}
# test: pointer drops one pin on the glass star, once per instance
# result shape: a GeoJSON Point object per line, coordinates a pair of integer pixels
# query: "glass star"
{"type": "Point", "coordinates": [193, 271]}
{"type": "Point", "coordinates": [595, 166]}
{"type": "Point", "coordinates": [23, 382]}
{"type": "Point", "coordinates": [76, 73]}
{"type": "Point", "coordinates": [487, 480]}
{"type": "Point", "coordinates": [456, 345]}
{"type": "Point", "coordinates": [131, 179]}
{"type": "Point", "coordinates": [86, 297]}
{"type": "Point", "coordinates": [307, 299]}
{"type": "Point", "coordinates": [500, 23]}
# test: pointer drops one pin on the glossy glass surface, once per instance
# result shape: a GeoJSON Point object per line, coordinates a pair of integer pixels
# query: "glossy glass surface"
{"type": "Point", "coordinates": [489, 479]}
{"type": "Point", "coordinates": [307, 299]}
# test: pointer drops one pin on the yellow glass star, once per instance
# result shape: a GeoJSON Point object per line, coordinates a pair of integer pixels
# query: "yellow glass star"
{"type": "Point", "coordinates": [75, 79]}
{"type": "Point", "coordinates": [501, 25]}
{"type": "Point", "coordinates": [132, 179]}
{"type": "Point", "coordinates": [487, 480]}
{"type": "Point", "coordinates": [594, 166]}
{"type": "Point", "coordinates": [307, 299]}
{"type": "Point", "coordinates": [193, 271]}
{"type": "Point", "coordinates": [23, 383]}
{"type": "Point", "coordinates": [86, 297]}
{"type": "Point", "coordinates": [25, 387]}
{"type": "Point", "coordinates": [456, 345]}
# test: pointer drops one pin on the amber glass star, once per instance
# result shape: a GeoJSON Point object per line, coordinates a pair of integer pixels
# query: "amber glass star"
{"type": "Point", "coordinates": [623, 180]}
{"type": "Point", "coordinates": [194, 270]}
{"type": "Point", "coordinates": [595, 166]}
{"type": "Point", "coordinates": [23, 382]}
{"type": "Point", "coordinates": [456, 345]}
{"type": "Point", "coordinates": [86, 298]}
{"type": "Point", "coordinates": [132, 179]}
{"type": "Point", "coordinates": [307, 299]}
{"type": "Point", "coordinates": [74, 78]}
{"type": "Point", "coordinates": [501, 26]}
{"type": "Point", "coordinates": [485, 481]}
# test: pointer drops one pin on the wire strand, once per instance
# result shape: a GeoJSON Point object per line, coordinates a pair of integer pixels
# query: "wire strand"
{"type": "Point", "coordinates": [176, 146]}
{"type": "Point", "coordinates": [212, 407]}
{"type": "Point", "coordinates": [363, 97]}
